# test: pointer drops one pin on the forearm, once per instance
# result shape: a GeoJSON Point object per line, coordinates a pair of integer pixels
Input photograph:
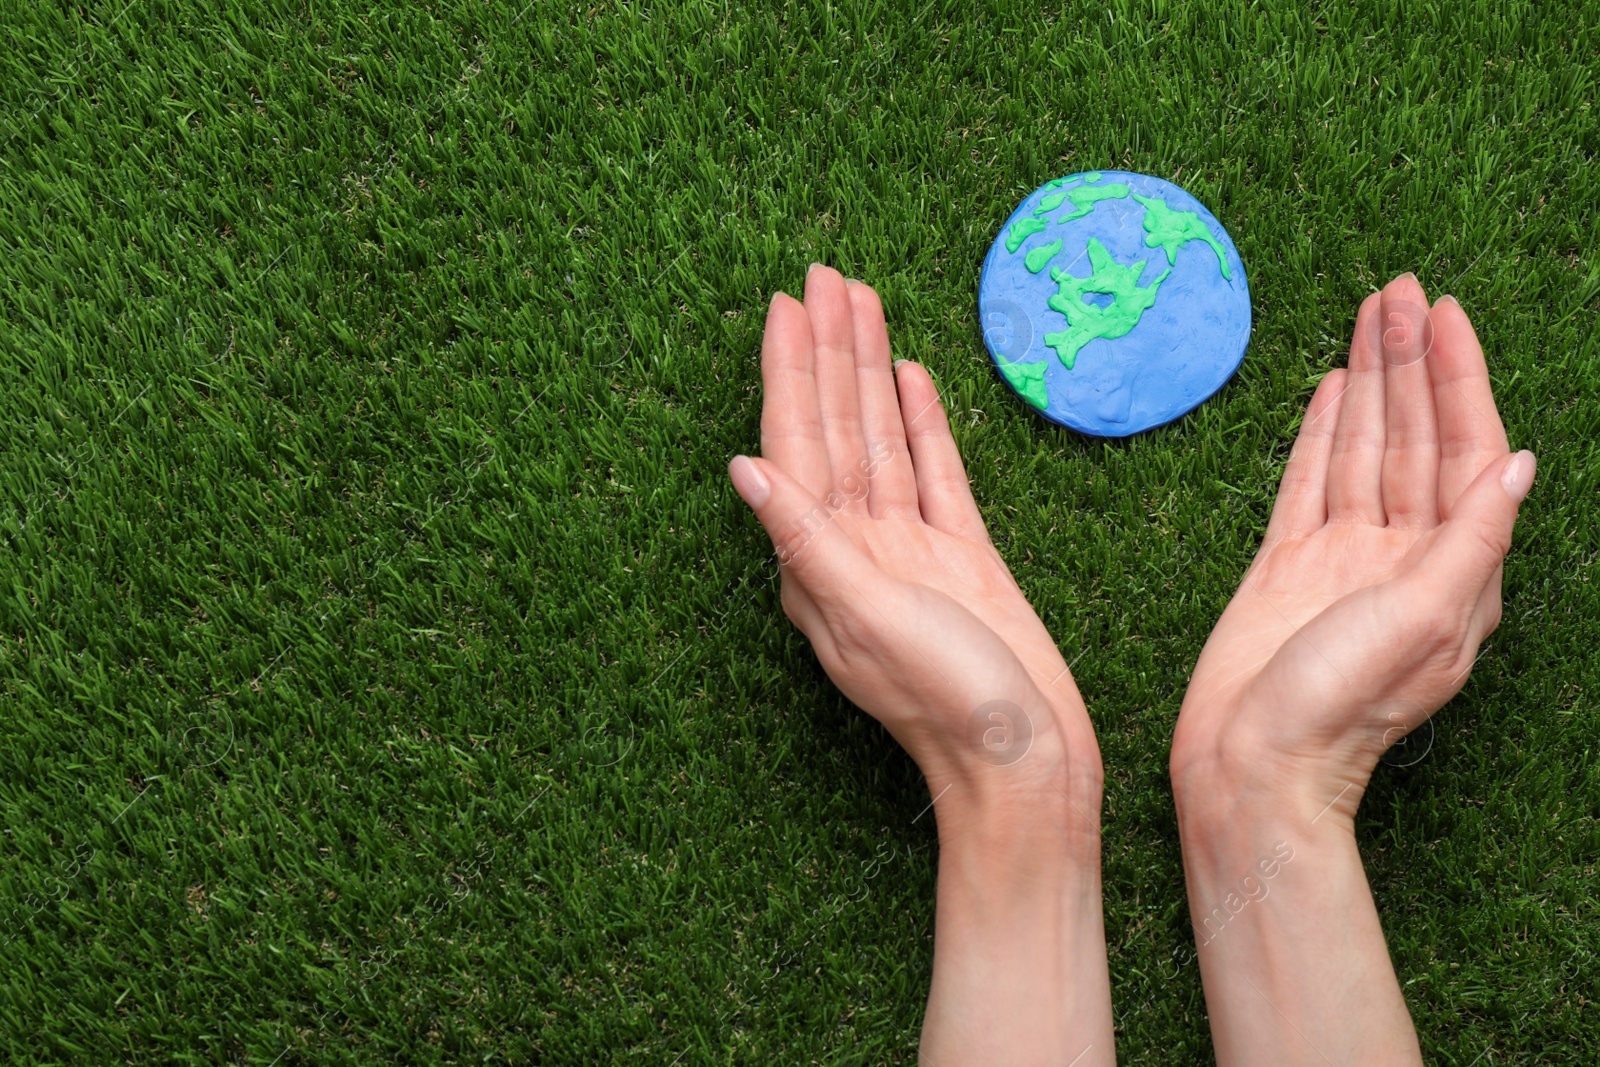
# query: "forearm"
{"type": "Point", "coordinates": [1020, 973]}
{"type": "Point", "coordinates": [1291, 952]}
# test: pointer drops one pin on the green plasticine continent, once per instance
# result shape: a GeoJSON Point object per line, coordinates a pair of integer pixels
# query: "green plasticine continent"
{"type": "Point", "coordinates": [1169, 230]}
{"type": "Point", "coordinates": [1021, 231]}
{"type": "Point", "coordinates": [1028, 380]}
{"type": "Point", "coordinates": [1038, 257]}
{"type": "Point", "coordinates": [1087, 322]}
{"type": "Point", "coordinates": [1083, 197]}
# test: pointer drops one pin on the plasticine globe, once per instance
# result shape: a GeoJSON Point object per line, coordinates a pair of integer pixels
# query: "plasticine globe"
{"type": "Point", "coordinates": [1114, 302]}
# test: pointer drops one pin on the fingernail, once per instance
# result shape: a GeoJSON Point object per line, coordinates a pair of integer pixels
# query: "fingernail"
{"type": "Point", "coordinates": [748, 480]}
{"type": "Point", "coordinates": [1517, 478]}
{"type": "Point", "coordinates": [813, 267]}
{"type": "Point", "coordinates": [898, 362]}
{"type": "Point", "coordinates": [851, 281]}
{"type": "Point", "coordinates": [774, 299]}
{"type": "Point", "coordinates": [1448, 297]}
{"type": "Point", "coordinates": [1406, 275]}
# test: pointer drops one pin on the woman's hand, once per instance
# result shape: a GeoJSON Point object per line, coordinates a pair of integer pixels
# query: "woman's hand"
{"type": "Point", "coordinates": [1380, 573]}
{"type": "Point", "coordinates": [887, 568]}
{"type": "Point", "coordinates": [1361, 616]}
{"type": "Point", "coordinates": [886, 565]}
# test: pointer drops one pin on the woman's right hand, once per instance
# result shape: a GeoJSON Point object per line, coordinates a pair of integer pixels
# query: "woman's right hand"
{"type": "Point", "coordinates": [1380, 573]}
{"type": "Point", "coordinates": [1362, 614]}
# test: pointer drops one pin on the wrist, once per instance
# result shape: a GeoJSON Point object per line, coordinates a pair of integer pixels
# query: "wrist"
{"type": "Point", "coordinates": [1286, 932]}
{"type": "Point", "coordinates": [1023, 824]}
{"type": "Point", "coordinates": [1228, 827]}
{"type": "Point", "coordinates": [1237, 800]}
{"type": "Point", "coordinates": [1023, 768]}
{"type": "Point", "coordinates": [1027, 779]}
{"type": "Point", "coordinates": [1239, 775]}
{"type": "Point", "coordinates": [1020, 970]}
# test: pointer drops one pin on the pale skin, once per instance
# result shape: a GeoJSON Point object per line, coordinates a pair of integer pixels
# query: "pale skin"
{"type": "Point", "coordinates": [1378, 580]}
{"type": "Point", "coordinates": [917, 619]}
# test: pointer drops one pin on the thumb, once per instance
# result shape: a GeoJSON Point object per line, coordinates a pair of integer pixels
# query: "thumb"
{"type": "Point", "coordinates": [804, 530]}
{"type": "Point", "coordinates": [1476, 537]}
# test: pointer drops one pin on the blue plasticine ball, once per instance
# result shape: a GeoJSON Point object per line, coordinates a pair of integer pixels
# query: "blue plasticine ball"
{"type": "Point", "coordinates": [1114, 302]}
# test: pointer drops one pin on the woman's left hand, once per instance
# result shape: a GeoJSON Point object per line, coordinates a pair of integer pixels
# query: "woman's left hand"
{"type": "Point", "coordinates": [886, 564]}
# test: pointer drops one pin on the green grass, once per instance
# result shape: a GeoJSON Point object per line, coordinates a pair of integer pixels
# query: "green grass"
{"type": "Point", "coordinates": [389, 673]}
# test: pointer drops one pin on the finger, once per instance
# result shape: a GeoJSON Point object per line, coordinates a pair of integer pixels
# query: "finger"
{"type": "Point", "coordinates": [1411, 434]}
{"type": "Point", "coordinates": [1471, 545]}
{"type": "Point", "coordinates": [833, 338]}
{"type": "Point", "coordinates": [1355, 468]}
{"type": "Point", "coordinates": [1302, 505]}
{"type": "Point", "coordinates": [891, 481]}
{"type": "Point", "coordinates": [943, 494]}
{"type": "Point", "coordinates": [791, 422]}
{"type": "Point", "coordinates": [1471, 435]}
{"type": "Point", "coordinates": [805, 533]}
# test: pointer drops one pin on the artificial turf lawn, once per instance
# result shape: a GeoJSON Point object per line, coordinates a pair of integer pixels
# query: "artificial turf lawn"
{"type": "Point", "coordinates": [388, 671]}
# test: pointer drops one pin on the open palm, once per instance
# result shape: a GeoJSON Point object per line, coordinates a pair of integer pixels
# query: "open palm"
{"type": "Point", "coordinates": [887, 566]}
{"type": "Point", "coordinates": [1380, 572]}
